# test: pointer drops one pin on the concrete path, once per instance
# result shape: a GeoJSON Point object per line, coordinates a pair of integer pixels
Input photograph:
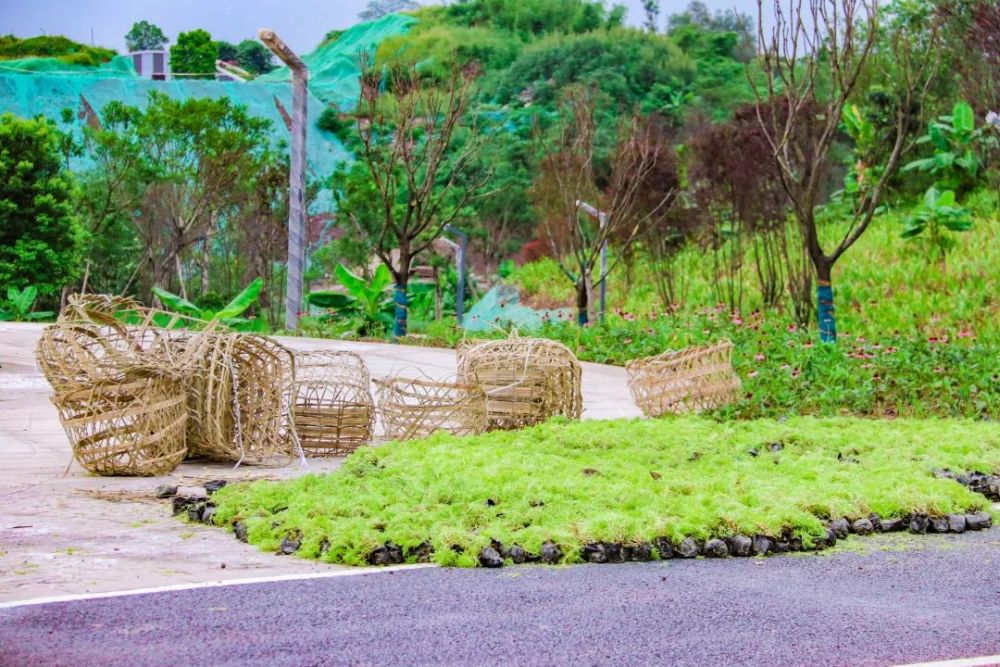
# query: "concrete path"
{"type": "Point", "coordinates": [64, 531]}
{"type": "Point", "coordinates": [936, 599]}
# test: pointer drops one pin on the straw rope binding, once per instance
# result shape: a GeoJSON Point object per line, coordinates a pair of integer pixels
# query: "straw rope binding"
{"type": "Point", "coordinates": [689, 380]}
{"type": "Point", "coordinates": [411, 408]}
{"type": "Point", "coordinates": [332, 408]}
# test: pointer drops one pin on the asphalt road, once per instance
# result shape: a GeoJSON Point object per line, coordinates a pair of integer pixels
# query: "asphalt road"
{"type": "Point", "coordinates": [939, 599]}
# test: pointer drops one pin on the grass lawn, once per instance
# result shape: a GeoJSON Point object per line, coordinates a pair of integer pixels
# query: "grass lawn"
{"type": "Point", "coordinates": [616, 481]}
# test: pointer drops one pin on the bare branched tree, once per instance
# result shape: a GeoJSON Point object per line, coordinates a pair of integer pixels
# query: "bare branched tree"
{"type": "Point", "coordinates": [411, 152]}
{"type": "Point", "coordinates": [566, 177]}
{"type": "Point", "coordinates": [812, 59]}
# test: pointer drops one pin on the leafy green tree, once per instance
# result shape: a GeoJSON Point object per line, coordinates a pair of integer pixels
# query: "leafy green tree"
{"type": "Point", "coordinates": [651, 9]}
{"type": "Point", "coordinates": [40, 236]}
{"type": "Point", "coordinates": [145, 36]}
{"type": "Point", "coordinates": [194, 54]}
{"type": "Point", "coordinates": [254, 57]}
{"type": "Point", "coordinates": [227, 50]}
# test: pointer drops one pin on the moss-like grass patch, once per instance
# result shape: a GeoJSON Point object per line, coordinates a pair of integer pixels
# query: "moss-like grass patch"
{"type": "Point", "coordinates": [616, 481]}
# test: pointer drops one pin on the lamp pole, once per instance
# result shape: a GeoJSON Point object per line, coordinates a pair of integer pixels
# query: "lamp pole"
{"type": "Point", "coordinates": [297, 178]}
{"type": "Point", "coordinates": [602, 220]}
{"type": "Point", "coordinates": [460, 249]}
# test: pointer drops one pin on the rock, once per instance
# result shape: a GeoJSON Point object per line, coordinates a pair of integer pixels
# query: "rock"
{"type": "Point", "coordinates": [594, 553]}
{"type": "Point", "coordinates": [716, 548]}
{"type": "Point", "coordinates": [192, 492]}
{"type": "Point", "coordinates": [518, 554]}
{"type": "Point", "coordinates": [289, 545]}
{"type": "Point", "coordinates": [240, 531]}
{"type": "Point", "coordinates": [780, 546]}
{"type": "Point", "coordinates": [613, 550]}
{"type": "Point", "coordinates": [795, 544]}
{"type": "Point", "coordinates": [208, 514]}
{"type": "Point", "coordinates": [876, 521]}
{"type": "Point", "coordinates": [490, 502]}
{"type": "Point", "coordinates": [688, 548]}
{"type": "Point", "coordinates": [831, 538]}
{"type": "Point", "coordinates": [388, 554]}
{"type": "Point", "coordinates": [939, 524]}
{"type": "Point", "coordinates": [862, 527]}
{"type": "Point", "coordinates": [421, 553]}
{"type": "Point", "coordinates": [550, 553]}
{"type": "Point", "coordinates": [664, 548]}
{"type": "Point", "coordinates": [490, 557]}
{"type": "Point", "coordinates": [641, 552]}
{"type": "Point", "coordinates": [919, 524]}
{"type": "Point", "coordinates": [841, 528]}
{"type": "Point", "coordinates": [978, 521]}
{"type": "Point", "coordinates": [892, 525]}
{"type": "Point", "coordinates": [762, 545]}
{"type": "Point", "coordinates": [324, 546]}
{"type": "Point", "coordinates": [165, 491]}
{"type": "Point", "coordinates": [754, 452]}
{"type": "Point", "coordinates": [195, 511]}
{"type": "Point", "coordinates": [956, 523]}
{"type": "Point", "coordinates": [776, 446]}
{"type": "Point", "coordinates": [741, 546]}
{"type": "Point", "coordinates": [214, 485]}
{"type": "Point", "coordinates": [993, 489]}
{"type": "Point", "coordinates": [500, 548]}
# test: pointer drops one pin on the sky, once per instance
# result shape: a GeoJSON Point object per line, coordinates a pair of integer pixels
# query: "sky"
{"type": "Point", "coordinates": [301, 23]}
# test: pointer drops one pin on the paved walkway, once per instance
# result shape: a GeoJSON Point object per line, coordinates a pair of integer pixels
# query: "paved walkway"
{"type": "Point", "coordinates": [64, 531]}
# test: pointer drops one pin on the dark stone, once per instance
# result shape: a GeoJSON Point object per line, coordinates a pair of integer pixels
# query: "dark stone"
{"type": "Point", "coordinates": [993, 489]}
{"type": "Point", "coordinates": [518, 554]}
{"type": "Point", "coordinates": [862, 527]}
{"type": "Point", "coordinates": [324, 546]}
{"type": "Point", "coordinates": [762, 545]}
{"type": "Point", "coordinates": [594, 553]}
{"type": "Point", "coordinates": [978, 521]}
{"type": "Point", "coordinates": [208, 514]}
{"type": "Point", "coordinates": [550, 553]}
{"type": "Point", "coordinates": [180, 504]}
{"type": "Point", "coordinates": [876, 521]}
{"type": "Point", "coordinates": [490, 502]}
{"type": "Point", "coordinates": [892, 525]}
{"type": "Point", "coordinates": [289, 545]}
{"type": "Point", "coordinates": [194, 512]}
{"type": "Point", "coordinates": [664, 547]}
{"type": "Point", "coordinates": [388, 554]}
{"type": "Point", "coordinates": [795, 544]}
{"type": "Point", "coordinates": [613, 550]}
{"type": "Point", "coordinates": [500, 548]}
{"type": "Point", "coordinates": [214, 485]}
{"type": "Point", "coordinates": [240, 531]}
{"type": "Point", "coordinates": [490, 557]}
{"type": "Point", "coordinates": [716, 548]}
{"type": "Point", "coordinates": [421, 553]}
{"type": "Point", "coordinates": [754, 452]}
{"type": "Point", "coordinates": [776, 446]}
{"type": "Point", "coordinates": [830, 539]}
{"type": "Point", "coordinates": [537, 503]}
{"type": "Point", "coordinates": [956, 523]}
{"type": "Point", "coordinates": [919, 524]}
{"type": "Point", "coordinates": [780, 546]}
{"type": "Point", "coordinates": [641, 552]}
{"type": "Point", "coordinates": [841, 528]}
{"type": "Point", "coordinates": [741, 546]}
{"type": "Point", "coordinates": [165, 491]}
{"type": "Point", "coordinates": [939, 524]}
{"type": "Point", "coordinates": [688, 548]}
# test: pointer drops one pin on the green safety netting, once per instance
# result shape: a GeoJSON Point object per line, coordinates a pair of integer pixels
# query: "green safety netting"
{"type": "Point", "coordinates": [118, 67]}
{"type": "Point", "coordinates": [500, 307]}
{"type": "Point", "coordinates": [334, 67]}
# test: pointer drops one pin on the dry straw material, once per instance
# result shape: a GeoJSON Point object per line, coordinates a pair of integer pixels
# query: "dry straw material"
{"type": "Point", "coordinates": [526, 380]}
{"type": "Point", "coordinates": [238, 396]}
{"type": "Point", "coordinates": [688, 380]}
{"type": "Point", "coordinates": [415, 408]}
{"type": "Point", "coordinates": [332, 408]}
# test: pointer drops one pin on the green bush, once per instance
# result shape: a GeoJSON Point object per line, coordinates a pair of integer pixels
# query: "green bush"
{"type": "Point", "coordinates": [55, 46]}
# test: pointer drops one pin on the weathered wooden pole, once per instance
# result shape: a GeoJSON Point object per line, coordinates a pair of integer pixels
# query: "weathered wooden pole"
{"type": "Point", "coordinates": [297, 185]}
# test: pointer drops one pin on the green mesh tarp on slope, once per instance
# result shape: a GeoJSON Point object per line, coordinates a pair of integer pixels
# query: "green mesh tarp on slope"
{"type": "Point", "coordinates": [334, 68]}
{"type": "Point", "coordinates": [501, 307]}
{"type": "Point", "coordinates": [117, 68]}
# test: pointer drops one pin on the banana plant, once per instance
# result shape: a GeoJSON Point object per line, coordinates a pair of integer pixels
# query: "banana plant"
{"type": "Point", "coordinates": [19, 305]}
{"type": "Point", "coordinates": [230, 314]}
{"type": "Point", "coordinates": [938, 215]}
{"type": "Point", "coordinates": [955, 140]}
{"type": "Point", "coordinates": [365, 307]}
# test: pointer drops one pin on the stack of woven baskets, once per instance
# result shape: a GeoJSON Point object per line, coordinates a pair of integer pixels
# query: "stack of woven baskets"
{"type": "Point", "coordinates": [689, 380]}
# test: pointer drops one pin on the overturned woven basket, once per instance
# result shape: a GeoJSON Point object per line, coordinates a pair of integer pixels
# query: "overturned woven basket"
{"type": "Point", "coordinates": [689, 380]}
{"type": "Point", "coordinates": [526, 380]}
{"type": "Point", "coordinates": [411, 408]}
{"type": "Point", "coordinates": [332, 408]}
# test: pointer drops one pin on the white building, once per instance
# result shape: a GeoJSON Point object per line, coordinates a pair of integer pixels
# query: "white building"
{"type": "Point", "coordinates": [153, 65]}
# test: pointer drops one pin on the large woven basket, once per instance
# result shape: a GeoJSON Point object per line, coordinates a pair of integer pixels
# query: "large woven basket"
{"type": "Point", "coordinates": [238, 396]}
{"type": "Point", "coordinates": [412, 408]}
{"type": "Point", "coordinates": [689, 380]}
{"type": "Point", "coordinates": [332, 408]}
{"type": "Point", "coordinates": [526, 380]}
{"type": "Point", "coordinates": [133, 426]}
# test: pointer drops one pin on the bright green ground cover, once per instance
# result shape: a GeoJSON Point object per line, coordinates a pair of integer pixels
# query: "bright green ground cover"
{"type": "Point", "coordinates": [618, 481]}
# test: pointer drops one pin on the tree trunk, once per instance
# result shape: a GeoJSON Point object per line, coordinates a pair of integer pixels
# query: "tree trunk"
{"type": "Point", "coordinates": [402, 305]}
{"type": "Point", "coordinates": [824, 303]}
{"type": "Point", "coordinates": [581, 301]}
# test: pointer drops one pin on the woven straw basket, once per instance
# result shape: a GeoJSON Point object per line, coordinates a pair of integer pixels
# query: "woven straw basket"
{"type": "Point", "coordinates": [412, 408]}
{"type": "Point", "coordinates": [332, 408]}
{"type": "Point", "coordinates": [689, 380]}
{"type": "Point", "coordinates": [526, 380]}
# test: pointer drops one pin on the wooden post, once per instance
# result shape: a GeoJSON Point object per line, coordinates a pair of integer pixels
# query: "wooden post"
{"type": "Point", "coordinates": [297, 185]}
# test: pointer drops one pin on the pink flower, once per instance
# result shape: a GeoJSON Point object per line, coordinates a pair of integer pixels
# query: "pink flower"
{"type": "Point", "coordinates": [808, 343]}
{"type": "Point", "coordinates": [736, 320]}
{"type": "Point", "coordinates": [796, 373]}
{"type": "Point", "coordinates": [964, 334]}
{"type": "Point", "coordinates": [792, 328]}
{"type": "Point", "coordinates": [867, 365]}
{"type": "Point", "coordinates": [752, 374]}
{"type": "Point", "coordinates": [785, 367]}
{"type": "Point", "coordinates": [759, 357]}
